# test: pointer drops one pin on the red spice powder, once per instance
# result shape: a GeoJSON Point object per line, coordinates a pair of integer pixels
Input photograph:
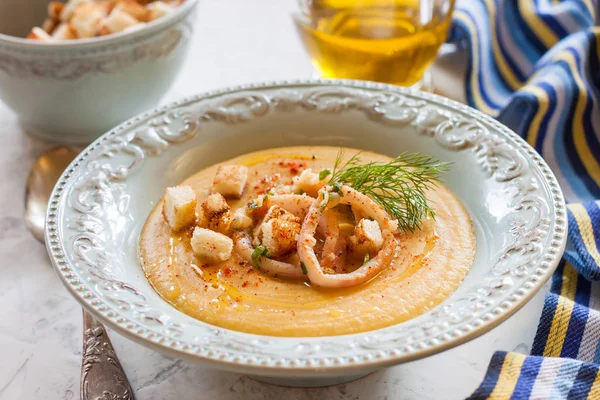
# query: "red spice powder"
{"type": "Point", "coordinates": [295, 166]}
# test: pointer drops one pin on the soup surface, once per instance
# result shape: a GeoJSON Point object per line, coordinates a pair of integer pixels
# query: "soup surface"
{"type": "Point", "coordinates": [427, 265]}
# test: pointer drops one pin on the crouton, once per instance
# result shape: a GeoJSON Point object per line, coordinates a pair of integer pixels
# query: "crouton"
{"type": "Point", "coordinates": [230, 180]}
{"type": "Point", "coordinates": [308, 182]}
{"type": "Point", "coordinates": [211, 247]}
{"type": "Point", "coordinates": [280, 213]}
{"type": "Point", "coordinates": [38, 33]}
{"type": "Point", "coordinates": [179, 208]}
{"type": "Point", "coordinates": [49, 24]}
{"type": "Point", "coordinates": [64, 32]}
{"type": "Point", "coordinates": [66, 12]}
{"type": "Point", "coordinates": [133, 8]}
{"type": "Point", "coordinates": [116, 21]}
{"type": "Point", "coordinates": [216, 213]}
{"type": "Point", "coordinates": [278, 231]}
{"type": "Point", "coordinates": [158, 9]}
{"type": "Point", "coordinates": [86, 20]}
{"type": "Point", "coordinates": [279, 236]}
{"type": "Point", "coordinates": [106, 5]}
{"type": "Point", "coordinates": [240, 219]}
{"type": "Point", "coordinates": [54, 9]}
{"type": "Point", "coordinates": [367, 238]}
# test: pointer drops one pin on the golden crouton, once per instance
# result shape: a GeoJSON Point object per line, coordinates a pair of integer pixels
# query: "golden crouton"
{"type": "Point", "coordinates": [86, 19]}
{"type": "Point", "coordinates": [54, 9]}
{"type": "Point", "coordinates": [64, 32]}
{"type": "Point", "coordinates": [367, 238]}
{"type": "Point", "coordinates": [210, 246]}
{"type": "Point", "coordinates": [230, 180]}
{"type": "Point", "coordinates": [69, 8]}
{"type": "Point", "coordinates": [277, 212]}
{"type": "Point", "coordinates": [38, 33]}
{"type": "Point", "coordinates": [179, 208]}
{"type": "Point", "coordinates": [216, 213]}
{"type": "Point", "coordinates": [158, 9]}
{"type": "Point", "coordinates": [49, 24]}
{"type": "Point", "coordinates": [278, 231]}
{"type": "Point", "coordinates": [116, 21]}
{"type": "Point", "coordinates": [133, 8]}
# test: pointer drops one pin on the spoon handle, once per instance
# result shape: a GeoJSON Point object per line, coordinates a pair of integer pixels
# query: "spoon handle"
{"type": "Point", "coordinates": [102, 376]}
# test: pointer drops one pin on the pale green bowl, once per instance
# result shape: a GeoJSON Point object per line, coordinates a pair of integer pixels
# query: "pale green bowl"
{"type": "Point", "coordinates": [74, 91]}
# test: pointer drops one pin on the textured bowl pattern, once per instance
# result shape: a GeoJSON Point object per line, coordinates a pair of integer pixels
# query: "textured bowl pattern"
{"type": "Point", "coordinates": [99, 206]}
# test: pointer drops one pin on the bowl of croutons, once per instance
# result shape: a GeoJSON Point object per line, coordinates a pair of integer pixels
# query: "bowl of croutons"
{"type": "Point", "coordinates": [73, 70]}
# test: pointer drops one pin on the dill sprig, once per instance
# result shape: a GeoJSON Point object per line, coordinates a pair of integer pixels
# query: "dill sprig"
{"type": "Point", "coordinates": [398, 186]}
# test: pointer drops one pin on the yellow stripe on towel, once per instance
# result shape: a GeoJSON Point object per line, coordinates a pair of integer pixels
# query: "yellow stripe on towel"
{"type": "Point", "coordinates": [583, 150]}
{"type": "Point", "coordinates": [507, 72]}
{"type": "Point", "coordinates": [584, 223]}
{"type": "Point", "coordinates": [594, 392]}
{"type": "Point", "coordinates": [534, 127]}
{"type": "Point", "coordinates": [508, 377]}
{"type": "Point", "coordinates": [478, 100]}
{"type": "Point", "coordinates": [537, 24]}
{"type": "Point", "coordinates": [562, 314]}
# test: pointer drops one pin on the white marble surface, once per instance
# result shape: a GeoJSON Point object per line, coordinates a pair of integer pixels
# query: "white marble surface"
{"type": "Point", "coordinates": [237, 41]}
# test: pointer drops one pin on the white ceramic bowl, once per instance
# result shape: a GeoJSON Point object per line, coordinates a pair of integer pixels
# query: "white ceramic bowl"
{"type": "Point", "coordinates": [100, 204]}
{"type": "Point", "coordinates": [74, 91]}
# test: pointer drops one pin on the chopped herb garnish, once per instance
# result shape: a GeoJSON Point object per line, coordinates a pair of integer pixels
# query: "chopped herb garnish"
{"type": "Point", "coordinates": [367, 258]}
{"type": "Point", "coordinates": [325, 196]}
{"type": "Point", "coordinates": [303, 266]}
{"type": "Point", "coordinates": [265, 197]}
{"type": "Point", "coordinates": [337, 188]}
{"type": "Point", "coordinates": [398, 186]}
{"type": "Point", "coordinates": [300, 191]}
{"type": "Point", "coordinates": [324, 174]}
{"type": "Point", "coordinates": [259, 251]}
{"type": "Point", "coordinates": [253, 205]}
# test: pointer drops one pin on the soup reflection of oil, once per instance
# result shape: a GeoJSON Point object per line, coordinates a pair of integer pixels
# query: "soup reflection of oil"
{"type": "Point", "coordinates": [390, 41]}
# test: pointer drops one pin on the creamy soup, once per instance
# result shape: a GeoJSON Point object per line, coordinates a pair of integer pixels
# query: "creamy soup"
{"type": "Point", "coordinates": [426, 266]}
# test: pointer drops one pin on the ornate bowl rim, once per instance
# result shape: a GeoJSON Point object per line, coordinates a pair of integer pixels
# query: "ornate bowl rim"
{"type": "Point", "coordinates": [310, 363]}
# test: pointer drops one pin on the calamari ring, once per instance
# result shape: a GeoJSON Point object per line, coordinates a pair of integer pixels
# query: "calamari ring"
{"type": "Point", "coordinates": [329, 227]}
{"type": "Point", "coordinates": [243, 246]}
{"type": "Point", "coordinates": [307, 241]}
{"type": "Point", "coordinates": [297, 204]}
{"type": "Point", "coordinates": [363, 204]}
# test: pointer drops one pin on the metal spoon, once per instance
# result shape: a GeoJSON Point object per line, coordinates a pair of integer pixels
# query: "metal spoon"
{"type": "Point", "coordinates": [102, 376]}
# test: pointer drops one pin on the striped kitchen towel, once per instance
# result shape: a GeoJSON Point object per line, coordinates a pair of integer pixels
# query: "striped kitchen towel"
{"type": "Point", "coordinates": [534, 65]}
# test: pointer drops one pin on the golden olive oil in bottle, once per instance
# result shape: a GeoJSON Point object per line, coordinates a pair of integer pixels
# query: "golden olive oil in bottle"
{"type": "Point", "coordinates": [392, 41]}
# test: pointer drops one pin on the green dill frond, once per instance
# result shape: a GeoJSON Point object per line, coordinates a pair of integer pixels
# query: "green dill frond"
{"type": "Point", "coordinates": [398, 186]}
